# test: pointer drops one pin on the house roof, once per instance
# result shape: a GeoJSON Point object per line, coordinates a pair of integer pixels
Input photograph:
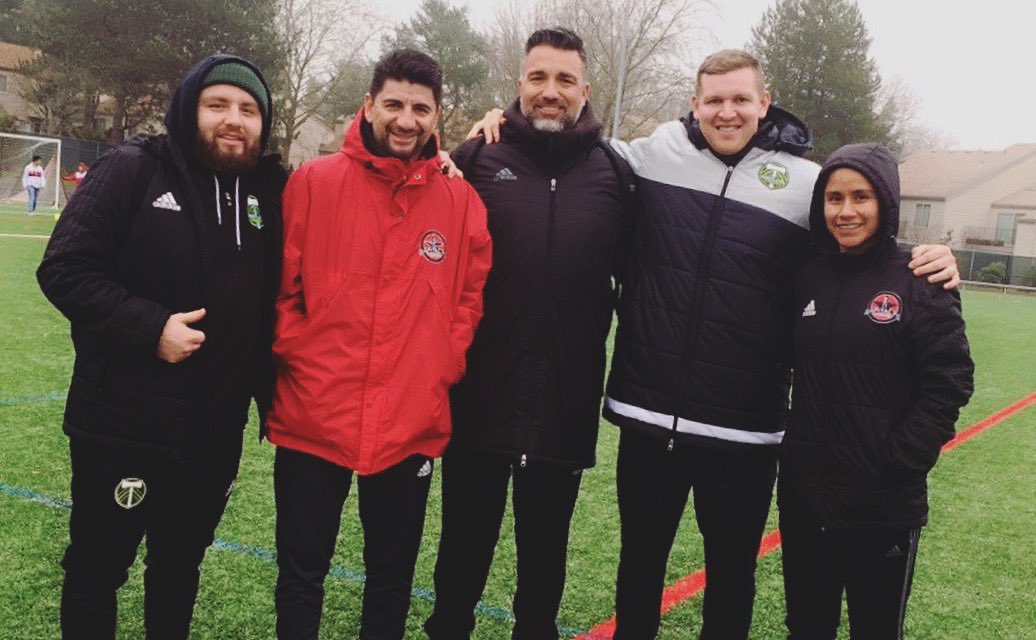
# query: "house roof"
{"type": "Point", "coordinates": [937, 175]}
{"type": "Point", "coordinates": [1024, 199]}
{"type": "Point", "coordinates": [13, 55]}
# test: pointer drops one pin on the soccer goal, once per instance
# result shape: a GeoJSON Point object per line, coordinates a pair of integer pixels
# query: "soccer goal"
{"type": "Point", "coordinates": [16, 151]}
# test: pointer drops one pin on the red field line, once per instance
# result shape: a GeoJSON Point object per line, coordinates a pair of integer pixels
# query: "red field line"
{"type": "Point", "coordinates": [692, 585]}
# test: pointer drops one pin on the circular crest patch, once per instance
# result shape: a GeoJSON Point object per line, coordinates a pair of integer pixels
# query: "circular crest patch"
{"type": "Point", "coordinates": [774, 176]}
{"type": "Point", "coordinates": [433, 246]}
{"type": "Point", "coordinates": [884, 308]}
{"type": "Point", "coordinates": [130, 492]}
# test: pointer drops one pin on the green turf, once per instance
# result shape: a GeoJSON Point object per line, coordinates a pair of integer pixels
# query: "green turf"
{"type": "Point", "coordinates": [974, 574]}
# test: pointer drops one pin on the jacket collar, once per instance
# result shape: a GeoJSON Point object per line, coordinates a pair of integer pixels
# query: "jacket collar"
{"type": "Point", "coordinates": [550, 147]}
{"type": "Point", "coordinates": [778, 131]}
{"type": "Point", "coordinates": [387, 168]}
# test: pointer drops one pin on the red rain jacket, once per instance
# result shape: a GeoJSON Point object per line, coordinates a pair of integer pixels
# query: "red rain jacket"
{"type": "Point", "coordinates": [384, 264]}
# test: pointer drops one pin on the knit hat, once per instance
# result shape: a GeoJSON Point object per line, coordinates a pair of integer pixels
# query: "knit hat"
{"type": "Point", "coordinates": [238, 75]}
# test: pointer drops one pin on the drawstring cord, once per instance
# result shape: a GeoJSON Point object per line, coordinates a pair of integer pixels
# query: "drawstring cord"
{"type": "Point", "coordinates": [237, 208]}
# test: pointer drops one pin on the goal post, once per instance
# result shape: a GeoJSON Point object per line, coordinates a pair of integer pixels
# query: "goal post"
{"type": "Point", "coordinates": [16, 151]}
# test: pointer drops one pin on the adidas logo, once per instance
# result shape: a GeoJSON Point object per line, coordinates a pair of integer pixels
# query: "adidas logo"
{"type": "Point", "coordinates": [894, 552]}
{"type": "Point", "coordinates": [504, 174]}
{"type": "Point", "coordinates": [425, 469]}
{"type": "Point", "coordinates": [810, 310]}
{"type": "Point", "coordinates": [166, 201]}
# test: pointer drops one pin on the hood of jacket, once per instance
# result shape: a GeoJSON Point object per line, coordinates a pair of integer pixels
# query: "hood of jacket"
{"type": "Point", "coordinates": [780, 130]}
{"type": "Point", "coordinates": [580, 137]}
{"type": "Point", "coordinates": [876, 163]}
{"type": "Point", "coordinates": [181, 120]}
{"type": "Point", "coordinates": [358, 143]}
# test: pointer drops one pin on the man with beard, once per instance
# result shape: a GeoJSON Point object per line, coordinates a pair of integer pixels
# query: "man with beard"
{"type": "Point", "coordinates": [527, 411]}
{"type": "Point", "coordinates": [167, 270]}
{"type": "Point", "coordinates": [384, 263]}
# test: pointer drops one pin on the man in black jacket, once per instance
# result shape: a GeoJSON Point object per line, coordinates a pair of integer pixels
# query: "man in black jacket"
{"type": "Point", "coordinates": [165, 262]}
{"type": "Point", "coordinates": [528, 407]}
{"type": "Point", "coordinates": [699, 377]}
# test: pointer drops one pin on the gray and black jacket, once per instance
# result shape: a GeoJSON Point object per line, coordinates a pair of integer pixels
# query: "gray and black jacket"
{"type": "Point", "coordinates": [150, 233]}
{"type": "Point", "coordinates": [882, 368]}
{"type": "Point", "coordinates": [702, 352]}
{"type": "Point", "coordinates": [559, 211]}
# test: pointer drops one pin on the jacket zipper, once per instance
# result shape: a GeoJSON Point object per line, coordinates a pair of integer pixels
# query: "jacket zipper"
{"type": "Point", "coordinates": [550, 230]}
{"type": "Point", "coordinates": [523, 461]}
{"type": "Point", "coordinates": [825, 356]}
{"type": "Point", "coordinates": [696, 299]}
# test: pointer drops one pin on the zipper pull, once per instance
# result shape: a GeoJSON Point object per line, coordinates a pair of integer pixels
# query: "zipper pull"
{"type": "Point", "coordinates": [553, 184]}
{"type": "Point", "coordinates": [670, 446]}
{"type": "Point", "coordinates": [522, 463]}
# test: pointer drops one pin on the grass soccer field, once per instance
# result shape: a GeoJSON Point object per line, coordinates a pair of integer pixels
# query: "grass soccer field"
{"type": "Point", "coordinates": [975, 570]}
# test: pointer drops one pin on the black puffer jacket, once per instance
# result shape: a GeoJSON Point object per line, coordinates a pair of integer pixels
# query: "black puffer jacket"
{"type": "Point", "coordinates": [141, 239]}
{"type": "Point", "coordinates": [703, 344]}
{"type": "Point", "coordinates": [558, 217]}
{"type": "Point", "coordinates": [882, 368]}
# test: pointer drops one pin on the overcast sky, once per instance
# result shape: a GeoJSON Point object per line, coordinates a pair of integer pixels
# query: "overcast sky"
{"type": "Point", "coordinates": [969, 62]}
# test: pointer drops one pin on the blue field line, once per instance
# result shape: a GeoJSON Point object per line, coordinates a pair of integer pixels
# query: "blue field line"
{"type": "Point", "coordinates": [268, 555]}
{"type": "Point", "coordinates": [46, 397]}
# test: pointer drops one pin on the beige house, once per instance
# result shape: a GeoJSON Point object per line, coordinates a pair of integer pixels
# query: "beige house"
{"type": "Point", "coordinates": [11, 83]}
{"type": "Point", "coordinates": [982, 201]}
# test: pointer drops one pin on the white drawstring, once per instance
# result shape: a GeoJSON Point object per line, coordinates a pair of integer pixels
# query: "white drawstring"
{"type": "Point", "coordinates": [219, 211]}
{"type": "Point", "coordinates": [237, 211]}
{"type": "Point", "coordinates": [237, 208]}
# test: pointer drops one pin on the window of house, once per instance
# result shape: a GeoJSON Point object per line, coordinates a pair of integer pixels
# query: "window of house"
{"type": "Point", "coordinates": [922, 211]}
{"type": "Point", "coordinates": [3, 83]}
{"type": "Point", "coordinates": [1007, 227]}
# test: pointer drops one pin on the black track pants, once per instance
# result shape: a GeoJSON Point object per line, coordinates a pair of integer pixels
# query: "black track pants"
{"type": "Point", "coordinates": [176, 506]}
{"type": "Point", "coordinates": [310, 493]}
{"type": "Point", "coordinates": [474, 498]}
{"type": "Point", "coordinates": [732, 493]}
{"type": "Point", "coordinates": [873, 568]}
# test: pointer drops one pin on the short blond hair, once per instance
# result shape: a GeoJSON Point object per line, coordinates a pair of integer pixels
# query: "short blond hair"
{"type": "Point", "coordinates": [730, 60]}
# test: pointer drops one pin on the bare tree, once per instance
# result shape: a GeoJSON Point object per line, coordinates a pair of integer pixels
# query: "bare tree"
{"type": "Point", "coordinates": [320, 39]}
{"type": "Point", "coordinates": [899, 107]}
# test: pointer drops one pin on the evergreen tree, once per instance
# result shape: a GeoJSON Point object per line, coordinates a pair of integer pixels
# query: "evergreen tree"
{"type": "Point", "coordinates": [815, 54]}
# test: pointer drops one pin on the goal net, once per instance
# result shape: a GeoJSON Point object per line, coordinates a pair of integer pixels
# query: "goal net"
{"type": "Point", "coordinates": [16, 151]}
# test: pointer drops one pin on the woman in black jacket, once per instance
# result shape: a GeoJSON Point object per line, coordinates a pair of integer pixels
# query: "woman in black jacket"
{"type": "Point", "coordinates": [882, 368]}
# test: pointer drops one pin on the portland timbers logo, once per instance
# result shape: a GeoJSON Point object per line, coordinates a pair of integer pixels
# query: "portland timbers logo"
{"type": "Point", "coordinates": [774, 176]}
{"type": "Point", "coordinates": [130, 492]}
{"type": "Point", "coordinates": [254, 217]}
{"type": "Point", "coordinates": [433, 246]}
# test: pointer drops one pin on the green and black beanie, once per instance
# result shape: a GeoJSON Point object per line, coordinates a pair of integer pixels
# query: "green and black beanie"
{"type": "Point", "coordinates": [238, 75]}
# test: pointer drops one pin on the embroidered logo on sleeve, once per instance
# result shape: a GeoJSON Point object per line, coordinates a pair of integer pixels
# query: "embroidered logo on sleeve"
{"type": "Point", "coordinates": [810, 310]}
{"type": "Point", "coordinates": [433, 247]}
{"type": "Point", "coordinates": [885, 307]}
{"type": "Point", "coordinates": [166, 201]}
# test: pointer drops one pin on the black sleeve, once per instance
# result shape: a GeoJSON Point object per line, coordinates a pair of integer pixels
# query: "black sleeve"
{"type": "Point", "coordinates": [465, 153]}
{"type": "Point", "coordinates": [78, 272]}
{"type": "Point", "coordinates": [943, 380]}
{"type": "Point", "coordinates": [264, 371]}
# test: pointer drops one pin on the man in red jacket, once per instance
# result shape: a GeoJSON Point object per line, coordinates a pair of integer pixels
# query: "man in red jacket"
{"type": "Point", "coordinates": [384, 264]}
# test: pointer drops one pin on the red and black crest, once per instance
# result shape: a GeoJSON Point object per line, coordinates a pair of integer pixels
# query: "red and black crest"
{"type": "Point", "coordinates": [885, 307]}
{"type": "Point", "coordinates": [433, 246]}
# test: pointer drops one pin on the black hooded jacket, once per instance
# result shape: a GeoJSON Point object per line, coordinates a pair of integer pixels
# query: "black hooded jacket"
{"type": "Point", "coordinates": [882, 368]}
{"type": "Point", "coordinates": [559, 214]}
{"type": "Point", "coordinates": [150, 233]}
